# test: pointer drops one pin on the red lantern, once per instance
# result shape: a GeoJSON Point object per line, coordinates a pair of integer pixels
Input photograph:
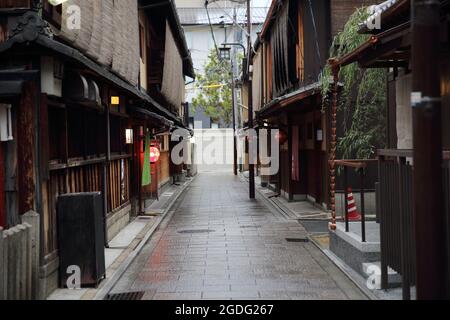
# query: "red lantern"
{"type": "Point", "coordinates": [281, 137]}
{"type": "Point", "coordinates": [155, 154]}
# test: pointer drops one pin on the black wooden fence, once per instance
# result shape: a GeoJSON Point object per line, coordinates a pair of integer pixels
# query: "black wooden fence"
{"type": "Point", "coordinates": [395, 210]}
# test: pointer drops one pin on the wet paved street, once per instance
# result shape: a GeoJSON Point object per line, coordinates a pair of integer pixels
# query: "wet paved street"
{"type": "Point", "coordinates": [220, 245]}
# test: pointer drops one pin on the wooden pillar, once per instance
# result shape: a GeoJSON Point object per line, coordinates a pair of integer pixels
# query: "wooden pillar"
{"type": "Point", "coordinates": [290, 152]}
{"type": "Point", "coordinates": [431, 248]}
{"type": "Point", "coordinates": [25, 147]}
{"type": "Point", "coordinates": [106, 164]}
{"type": "Point", "coordinates": [2, 188]}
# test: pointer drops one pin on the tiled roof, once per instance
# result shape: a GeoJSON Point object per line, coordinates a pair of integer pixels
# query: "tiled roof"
{"type": "Point", "coordinates": [198, 16]}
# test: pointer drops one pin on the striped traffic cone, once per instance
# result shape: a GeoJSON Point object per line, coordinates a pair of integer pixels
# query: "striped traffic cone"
{"type": "Point", "coordinates": [353, 214]}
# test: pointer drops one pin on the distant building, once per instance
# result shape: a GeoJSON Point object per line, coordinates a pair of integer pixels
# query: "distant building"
{"type": "Point", "coordinates": [199, 36]}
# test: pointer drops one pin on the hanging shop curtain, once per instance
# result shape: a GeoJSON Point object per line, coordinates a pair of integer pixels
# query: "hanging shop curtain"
{"type": "Point", "coordinates": [146, 170]}
{"type": "Point", "coordinates": [279, 45]}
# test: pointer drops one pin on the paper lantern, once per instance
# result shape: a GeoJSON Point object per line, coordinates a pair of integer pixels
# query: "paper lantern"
{"type": "Point", "coordinates": [155, 154]}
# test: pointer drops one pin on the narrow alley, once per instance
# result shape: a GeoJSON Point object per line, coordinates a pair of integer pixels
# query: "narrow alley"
{"type": "Point", "coordinates": [217, 244]}
{"type": "Point", "coordinates": [224, 150]}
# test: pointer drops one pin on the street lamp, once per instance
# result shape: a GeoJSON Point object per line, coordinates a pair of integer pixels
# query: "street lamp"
{"type": "Point", "coordinates": [225, 53]}
{"type": "Point", "coordinates": [233, 44]}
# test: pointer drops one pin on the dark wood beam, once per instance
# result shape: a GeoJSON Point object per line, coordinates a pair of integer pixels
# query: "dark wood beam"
{"type": "Point", "coordinates": [25, 147]}
{"type": "Point", "coordinates": [2, 188]}
{"type": "Point", "coordinates": [386, 64]}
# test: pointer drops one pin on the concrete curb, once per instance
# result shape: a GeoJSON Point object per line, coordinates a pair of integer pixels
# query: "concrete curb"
{"type": "Point", "coordinates": [349, 273]}
{"type": "Point", "coordinates": [104, 291]}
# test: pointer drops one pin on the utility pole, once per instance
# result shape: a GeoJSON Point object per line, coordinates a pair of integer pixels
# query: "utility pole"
{"type": "Point", "coordinates": [431, 253]}
{"type": "Point", "coordinates": [233, 92]}
{"type": "Point", "coordinates": [250, 98]}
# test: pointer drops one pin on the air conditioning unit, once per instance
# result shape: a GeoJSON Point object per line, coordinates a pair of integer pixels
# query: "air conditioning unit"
{"type": "Point", "coordinates": [5, 123]}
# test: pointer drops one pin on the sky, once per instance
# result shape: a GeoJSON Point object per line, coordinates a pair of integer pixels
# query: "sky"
{"type": "Point", "coordinates": [261, 3]}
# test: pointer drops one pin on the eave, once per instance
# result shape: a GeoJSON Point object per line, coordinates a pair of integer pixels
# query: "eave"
{"type": "Point", "coordinates": [33, 33]}
{"type": "Point", "coordinates": [383, 47]}
{"type": "Point", "coordinates": [288, 99]}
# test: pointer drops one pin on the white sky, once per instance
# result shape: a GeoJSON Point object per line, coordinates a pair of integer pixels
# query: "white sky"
{"type": "Point", "coordinates": [261, 3]}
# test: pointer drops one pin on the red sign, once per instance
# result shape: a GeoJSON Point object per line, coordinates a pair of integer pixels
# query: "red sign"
{"type": "Point", "coordinates": [154, 154]}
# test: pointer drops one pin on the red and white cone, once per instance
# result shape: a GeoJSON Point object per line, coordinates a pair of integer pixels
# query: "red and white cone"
{"type": "Point", "coordinates": [353, 214]}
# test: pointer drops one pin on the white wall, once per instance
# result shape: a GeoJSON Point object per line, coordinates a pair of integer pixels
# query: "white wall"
{"type": "Point", "coordinates": [404, 112]}
{"type": "Point", "coordinates": [214, 149]}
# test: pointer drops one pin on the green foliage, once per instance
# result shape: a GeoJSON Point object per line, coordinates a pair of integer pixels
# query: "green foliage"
{"type": "Point", "coordinates": [214, 85]}
{"type": "Point", "coordinates": [363, 96]}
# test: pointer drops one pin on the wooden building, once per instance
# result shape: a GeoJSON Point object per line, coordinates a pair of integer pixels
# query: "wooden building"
{"type": "Point", "coordinates": [79, 91]}
{"type": "Point", "coordinates": [390, 47]}
{"type": "Point", "coordinates": [289, 57]}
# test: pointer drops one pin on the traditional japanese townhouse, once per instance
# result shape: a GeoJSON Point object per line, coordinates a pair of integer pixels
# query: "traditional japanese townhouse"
{"type": "Point", "coordinates": [165, 64]}
{"type": "Point", "coordinates": [80, 88]}
{"type": "Point", "coordinates": [391, 47]}
{"type": "Point", "coordinates": [287, 65]}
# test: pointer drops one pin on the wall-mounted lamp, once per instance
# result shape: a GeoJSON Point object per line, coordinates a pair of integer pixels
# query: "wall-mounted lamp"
{"type": "Point", "coordinates": [129, 136]}
{"type": "Point", "coordinates": [319, 135]}
{"type": "Point", "coordinates": [115, 100]}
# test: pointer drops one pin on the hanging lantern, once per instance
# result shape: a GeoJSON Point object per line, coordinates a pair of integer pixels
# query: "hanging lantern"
{"type": "Point", "coordinates": [129, 136]}
{"type": "Point", "coordinates": [115, 100]}
{"type": "Point", "coordinates": [155, 154]}
{"type": "Point", "coordinates": [281, 137]}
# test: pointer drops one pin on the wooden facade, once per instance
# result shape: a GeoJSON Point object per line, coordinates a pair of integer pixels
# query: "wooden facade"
{"type": "Point", "coordinates": [391, 48]}
{"type": "Point", "coordinates": [69, 135]}
{"type": "Point", "coordinates": [290, 56]}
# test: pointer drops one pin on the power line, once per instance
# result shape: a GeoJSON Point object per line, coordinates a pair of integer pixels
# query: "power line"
{"type": "Point", "coordinates": [212, 29]}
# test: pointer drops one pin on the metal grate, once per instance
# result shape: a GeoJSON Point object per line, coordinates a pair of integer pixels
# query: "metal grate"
{"type": "Point", "coordinates": [298, 240]}
{"type": "Point", "coordinates": [196, 231]}
{"type": "Point", "coordinates": [126, 296]}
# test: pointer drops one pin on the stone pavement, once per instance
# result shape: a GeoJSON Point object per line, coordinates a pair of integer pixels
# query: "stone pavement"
{"type": "Point", "coordinates": [217, 244]}
{"type": "Point", "coordinates": [125, 242]}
